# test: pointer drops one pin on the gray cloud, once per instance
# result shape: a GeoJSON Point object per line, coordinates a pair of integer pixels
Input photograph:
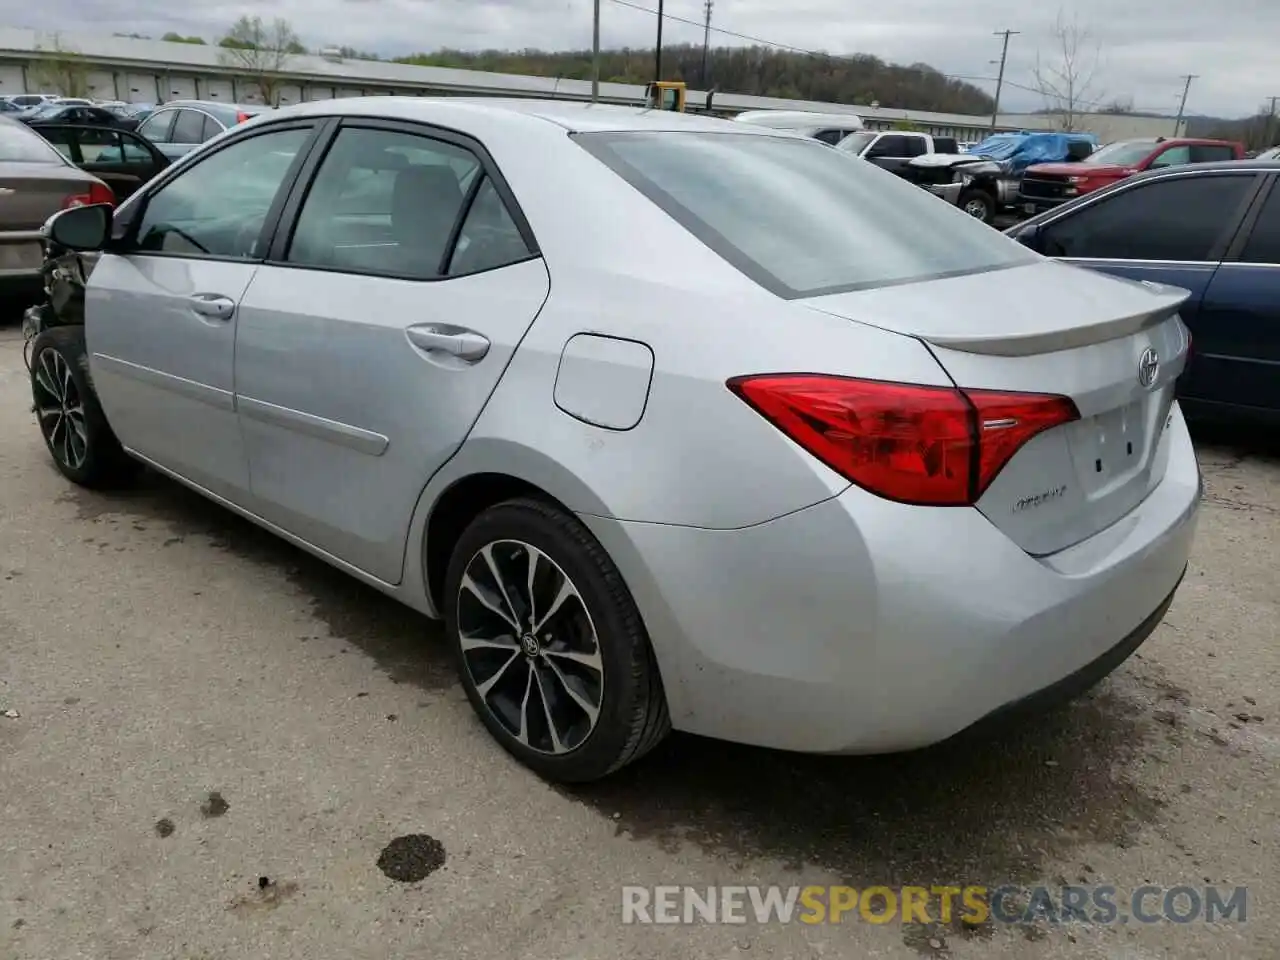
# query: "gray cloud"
{"type": "Point", "coordinates": [1146, 45]}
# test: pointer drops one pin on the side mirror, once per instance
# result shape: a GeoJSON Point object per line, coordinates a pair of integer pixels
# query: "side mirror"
{"type": "Point", "coordinates": [1027, 234]}
{"type": "Point", "coordinates": [81, 228]}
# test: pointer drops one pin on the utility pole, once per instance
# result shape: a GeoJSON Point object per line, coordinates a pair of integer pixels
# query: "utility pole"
{"type": "Point", "coordinates": [595, 53]}
{"type": "Point", "coordinates": [1004, 55]}
{"type": "Point", "coordinates": [657, 50]}
{"type": "Point", "coordinates": [1271, 120]}
{"type": "Point", "coordinates": [1177, 124]}
{"type": "Point", "coordinates": [706, 42]}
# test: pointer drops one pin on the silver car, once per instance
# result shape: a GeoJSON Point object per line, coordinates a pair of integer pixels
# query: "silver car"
{"type": "Point", "coordinates": [675, 422]}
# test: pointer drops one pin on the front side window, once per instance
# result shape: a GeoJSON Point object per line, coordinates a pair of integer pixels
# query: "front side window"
{"type": "Point", "coordinates": [799, 219]}
{"type": "Point", "coordinates": [218, 206]}
{"type": "Point", "coordinates": [101, 146]}
{"type": "Point", "coordinates": [384, 202]}
{"type": "Point", "coordinates": [1173, 157]}
{"type": "Point", "coordinates": [1179, 219]}
{"type": "Point", "coordinates": [890, 145]}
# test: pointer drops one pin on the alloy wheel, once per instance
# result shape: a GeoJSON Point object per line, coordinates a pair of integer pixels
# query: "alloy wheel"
{"type": "Point", "coordinates": [60, 409]}
{"type": "Point", "coordinates": [976, 209]}
{"type": "Point", "coordinates": [529, 646]}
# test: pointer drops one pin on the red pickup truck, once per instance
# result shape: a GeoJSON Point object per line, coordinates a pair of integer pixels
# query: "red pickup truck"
{"type": "Point", "coordinates": [1045, 185]}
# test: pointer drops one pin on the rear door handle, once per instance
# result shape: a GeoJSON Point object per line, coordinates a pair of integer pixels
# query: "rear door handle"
{"type": "Point", "coordinates": [212, 305]}
{"type": "Point", "coordinates": [456, 341]}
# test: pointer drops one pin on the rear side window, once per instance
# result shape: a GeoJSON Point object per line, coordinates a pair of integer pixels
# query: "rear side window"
{"type": "Point", "coordinates": [188, 128]}
{"type": "Point", "coordinates": [1179, 218]}
{"type": "Point", "coordinates": [211, 129]}
{"type": "Point", "coordinates": [1211, 153]}
{"type": "Point", "coordinates": [799, 219]}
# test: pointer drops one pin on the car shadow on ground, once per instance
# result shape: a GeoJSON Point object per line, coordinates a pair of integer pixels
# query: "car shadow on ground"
{"type": "Point", "coordinates": [993, 806]}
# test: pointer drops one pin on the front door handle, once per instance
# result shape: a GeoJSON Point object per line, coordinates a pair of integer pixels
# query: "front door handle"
{"type": "Point", "coordinates": [212, 305]}
{"type": "Point", "coordinates": [456, 341]}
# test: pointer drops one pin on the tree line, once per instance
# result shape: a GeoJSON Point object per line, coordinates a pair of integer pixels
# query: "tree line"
{"type": "Point", "coordinates": [755, 70]}
{"type": "Point", "coordinates": [262, 48]}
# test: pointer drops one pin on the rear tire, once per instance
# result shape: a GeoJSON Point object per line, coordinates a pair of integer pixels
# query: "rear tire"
{"type": "Point", "coordinates": [551, 648]}
{"type": "Point", "coordinates": [75, 430]}
{"type": "Point", "coordinates": [978, 204]}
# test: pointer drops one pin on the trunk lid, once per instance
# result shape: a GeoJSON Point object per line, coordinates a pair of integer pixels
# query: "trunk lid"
{"type": "Point", "coordinates": [1052, 328]}
{"type": "Point", "coordinates": [30, 193]}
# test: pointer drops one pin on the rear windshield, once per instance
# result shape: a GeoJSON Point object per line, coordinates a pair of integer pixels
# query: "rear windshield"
{"type": "Point", "coordinates": [20, 145]}
{"type": "Point", "coordinates": [799, 218]}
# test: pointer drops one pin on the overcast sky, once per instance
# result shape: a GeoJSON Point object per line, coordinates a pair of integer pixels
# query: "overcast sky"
{"type": "Point", "coordinates": [1146, 45]}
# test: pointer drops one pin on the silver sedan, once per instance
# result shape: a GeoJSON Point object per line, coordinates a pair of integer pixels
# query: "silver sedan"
{"type": "Point", "coordinates": [675, 422]}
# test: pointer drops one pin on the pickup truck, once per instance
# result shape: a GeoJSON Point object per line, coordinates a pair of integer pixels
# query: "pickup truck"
{"type": "Point", "coordinates": [893, 150]}
{"type": "Point", "coordinates": [1046, 185]}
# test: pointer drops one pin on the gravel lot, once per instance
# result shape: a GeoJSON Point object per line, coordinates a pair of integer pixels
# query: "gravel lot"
{"type": "Point", "coordinates": [201, 706]}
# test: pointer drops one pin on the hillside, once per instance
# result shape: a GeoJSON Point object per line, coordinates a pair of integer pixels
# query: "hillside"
{"type": "Point", "coordinates": [1256, 132]}
{"type": "Point", "coordinates": [759, 71]}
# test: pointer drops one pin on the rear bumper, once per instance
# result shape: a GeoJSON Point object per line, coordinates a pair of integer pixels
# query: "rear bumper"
{"type": "Point", "coordinates": [861, 626]}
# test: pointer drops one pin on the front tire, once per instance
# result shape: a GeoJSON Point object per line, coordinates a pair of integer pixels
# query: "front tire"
{"type": "Point", "coordinates": [551, 649]}
{"type": "Point", "coordinates": [978, 204]}
{"type": "Point", "coordinates": [75, 430]}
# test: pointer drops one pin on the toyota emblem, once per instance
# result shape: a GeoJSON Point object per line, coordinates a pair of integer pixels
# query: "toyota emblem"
{"type": "Point", "coordinates": [1148, 367]}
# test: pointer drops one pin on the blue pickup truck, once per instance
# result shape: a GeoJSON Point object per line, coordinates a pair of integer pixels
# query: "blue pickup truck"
{"type": "Point", "coordinates": [1212, 229]}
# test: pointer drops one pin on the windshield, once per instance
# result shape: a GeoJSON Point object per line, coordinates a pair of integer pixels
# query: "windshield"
{"type": "Point", "coordinates": [799, 218]}
{"type": "Point", "coordinates": [20, 145]}
{"type": "Point", "coordinates": [856, 142]}
{"type": "Point", "coordinates": [1123, 153]}
{"type": "Point", "coordinates": [49, 110]}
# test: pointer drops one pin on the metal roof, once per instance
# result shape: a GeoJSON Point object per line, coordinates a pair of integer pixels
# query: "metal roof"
{"type": "Point", "coordinates": [161, 55]}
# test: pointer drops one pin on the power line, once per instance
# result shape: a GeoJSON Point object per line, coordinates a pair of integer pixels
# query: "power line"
{"type": "Point", "coordinates": [776, 44]}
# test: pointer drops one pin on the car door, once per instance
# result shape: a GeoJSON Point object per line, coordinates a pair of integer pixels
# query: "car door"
{"type": "Point", "coordinates": [1238, 355]}
{"type": "Point", "coordinates": [122, 160]}
{"type": "Point", "coordinates": [370, 341]}
{"type": "Point", "coordinates": [891, 151]}
{"type": "Point", "coordinates": [162, 302]}
{"type": "Point", "coordinates": [1171, 229]}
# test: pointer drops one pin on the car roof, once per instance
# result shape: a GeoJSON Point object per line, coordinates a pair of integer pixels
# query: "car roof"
{"type": "Point", "coordinates": [1252, 166]}
{"type": "Point", "coordinates": [214, 105]}
{"type": "Point", "coordinates": [574, 116]}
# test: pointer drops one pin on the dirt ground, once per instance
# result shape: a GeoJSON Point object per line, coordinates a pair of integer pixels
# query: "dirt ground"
{"type": "Point", "coordinates": [224, 749]}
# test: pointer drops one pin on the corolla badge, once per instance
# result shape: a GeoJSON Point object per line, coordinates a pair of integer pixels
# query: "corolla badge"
{"type": "Point", "coordinates": [1148, 367]}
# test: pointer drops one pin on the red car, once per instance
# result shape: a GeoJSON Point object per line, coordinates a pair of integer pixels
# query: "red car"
{"type": "Point", "coordinates": [1045, 185]}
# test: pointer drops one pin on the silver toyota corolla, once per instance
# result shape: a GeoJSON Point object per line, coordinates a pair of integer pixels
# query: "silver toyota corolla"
{"type": "Point", "coordinates": [675, 422]}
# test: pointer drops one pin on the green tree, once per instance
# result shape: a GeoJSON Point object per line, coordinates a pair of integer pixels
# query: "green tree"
{"type": "Point", "coordinates": [179, 38]}
{"type": "Point", "coordinates": [262, 51]}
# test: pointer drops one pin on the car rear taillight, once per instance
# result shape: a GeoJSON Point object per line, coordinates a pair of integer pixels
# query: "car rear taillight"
{"type": "Point", "coordinates": [98, 193]}
{"type": "Point", "coordinates": [937, 446]}
{"type": "Point", "coordinates": [242, 117]}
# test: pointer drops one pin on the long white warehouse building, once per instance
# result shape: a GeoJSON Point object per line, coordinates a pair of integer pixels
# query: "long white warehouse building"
{"type": "Point", "coordinates": [154, 71]}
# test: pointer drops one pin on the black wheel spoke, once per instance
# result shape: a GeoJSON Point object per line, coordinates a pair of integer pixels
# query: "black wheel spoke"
{"type": "Point", "coordinates": [529, 647]}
